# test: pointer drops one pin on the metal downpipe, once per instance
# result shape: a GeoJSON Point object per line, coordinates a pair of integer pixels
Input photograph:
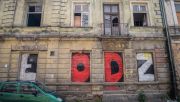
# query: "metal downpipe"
{"type": "Point", "coordinates": [173, 91]}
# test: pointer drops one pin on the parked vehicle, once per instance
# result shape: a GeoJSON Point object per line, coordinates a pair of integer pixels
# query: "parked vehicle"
{"type": "Point", "coordinates": [25, 91]}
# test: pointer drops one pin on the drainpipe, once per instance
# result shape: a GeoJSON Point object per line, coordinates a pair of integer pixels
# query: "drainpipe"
{"type": "Point", "coordinates": [173, 91]}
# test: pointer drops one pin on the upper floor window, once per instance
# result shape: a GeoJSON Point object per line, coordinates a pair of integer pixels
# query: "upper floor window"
{"type": "Point", "coordinates": [81, 15]}
{"type": "Point", "coordinates": [140, 15]}
{"type": "Point", "coordinates": [177, 6]}
{"type": "Point", "coordinates": [111, 19]}
{"type": "Point", "coordinates": [34, 15]}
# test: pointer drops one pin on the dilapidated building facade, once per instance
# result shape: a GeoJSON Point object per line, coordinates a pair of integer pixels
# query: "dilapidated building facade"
{"type": "Point", "coordinates": [111, 48]}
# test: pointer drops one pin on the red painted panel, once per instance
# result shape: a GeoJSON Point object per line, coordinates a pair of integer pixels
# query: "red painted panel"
{"type": "Point", "coordinates": [113, 67]}
{"type": "Point", "coordinates": [80, 67]}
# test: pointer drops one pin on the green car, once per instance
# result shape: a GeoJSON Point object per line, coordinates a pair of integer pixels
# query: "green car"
{"type": "Point", "coordinates": [25, 91]}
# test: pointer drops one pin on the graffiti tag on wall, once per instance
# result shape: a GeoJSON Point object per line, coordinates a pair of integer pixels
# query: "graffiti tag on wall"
{"type": "Point", "coordinates": [145, 67]}
{"type": "Point", "coordinates": [80, 67]}
{"type": "Point", "coordinates": [113, 67]}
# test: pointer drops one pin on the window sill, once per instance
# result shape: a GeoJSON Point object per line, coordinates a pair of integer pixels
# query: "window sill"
{"type": "Point", "coordinates": [75, 27]}
{"type": "Point", "coordinates": [112, 83]}
{"type": "Point", "coordinates": [145, 27]}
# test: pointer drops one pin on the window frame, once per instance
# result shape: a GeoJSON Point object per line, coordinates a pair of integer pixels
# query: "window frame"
{"type": "Point", "coordinates": [146, 4]}
{"type": "Point", "coordinates": [123, 62]}
{"type": "Point", "coordinates": [111, 14]}
{"type": "Point", "coordinates": [154, 64]}
{"type": "Point", "coordinates": [90, 62]}
{"type": "Point", "coordinates": [73, 12]}
{"type": "Point", "coordinates": [28, 4]}
{"type": "Point", "coordinates": [19, 65]}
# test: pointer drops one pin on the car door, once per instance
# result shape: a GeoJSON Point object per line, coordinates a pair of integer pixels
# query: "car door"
{"type": "Point", "coordinates": [8, 92]}
{"type": "Point", "coordinates": [29, 93]}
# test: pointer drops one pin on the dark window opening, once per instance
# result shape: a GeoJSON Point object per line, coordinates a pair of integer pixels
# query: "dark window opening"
{"type": "Point", "coordinates": [52, 53]}
{"type": "Point", "coordinates": [140, 19]}
{"type": "Point", "coordinates": [115, 22]}
{"type": "Point", "coordinates": [140, 12]}
{"type": "Point", "coordinates": [34, 16]}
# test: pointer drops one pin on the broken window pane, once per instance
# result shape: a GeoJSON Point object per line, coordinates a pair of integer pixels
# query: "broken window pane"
{"type": "Point", "coordinates": [111, 19]}
{"type": "Point", "coordinates": [115, 20]}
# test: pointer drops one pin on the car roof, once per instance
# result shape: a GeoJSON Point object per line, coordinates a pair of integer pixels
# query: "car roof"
{"type": "Point", "coordinates": [17, 81]}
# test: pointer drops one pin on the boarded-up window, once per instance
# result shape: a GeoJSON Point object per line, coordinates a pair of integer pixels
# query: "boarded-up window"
{"type": "Point", "coordinates": [28, 67]}
{"type": "Point", "coordinates": [80, 67]}
{"type": "Point", "coordinates": [145, 66]}
{"type": "Point", "coordinates": [178, 12]}
{"type": "Point", "coordinates": [140, 13]}
{"type": "Point", "coordinates": [81, 15]}
{"type": "Point", "coordinates": [34, 15]}
{"type": "Point", "coordinates": [113, 67]}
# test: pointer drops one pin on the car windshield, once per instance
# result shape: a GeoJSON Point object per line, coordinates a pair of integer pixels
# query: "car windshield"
{"type": "Point", "coordinates": [43, 87]}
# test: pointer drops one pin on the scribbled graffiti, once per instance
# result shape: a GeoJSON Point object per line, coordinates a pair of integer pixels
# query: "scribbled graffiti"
{"type": "Point", "coordinates": [80, 67]}
{"type": "Point", "coordinates": [145, 67]}
{"type": "Point", "coordinates": [113, 67]}
{"type": "Point", "coordinates": [28, 67]}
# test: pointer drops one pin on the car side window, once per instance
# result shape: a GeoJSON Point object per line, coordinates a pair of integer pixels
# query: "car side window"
{"type": "Point", "coordinates": [27, 89]}
{"type": "Point", "coordinates": [9, 88]}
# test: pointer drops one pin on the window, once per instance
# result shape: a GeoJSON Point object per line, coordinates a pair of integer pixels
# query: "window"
{"type": "Point", "coordinates": [34, 15]}
{"type": "Point", "coordinates": [140, 15]}
{"type": "Point", "coordinates": [9, 88]}
{"type": "Point", "coordinates": [111, 19]}
{"type": "Point", "coordinates": [80, 67]}
{"type": "Point", "coordinates": [177, 6]}
{"type": "Point", "coordinates": [113, 63]}
{"type": "Point", "coordinates": [27, 89]}
{"type": "Point", "coordinates": [145, 66]}
{"type": "Point", "coordinates": [81, 15]}
{"type": "Point", "coordinates": [28, 66]}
